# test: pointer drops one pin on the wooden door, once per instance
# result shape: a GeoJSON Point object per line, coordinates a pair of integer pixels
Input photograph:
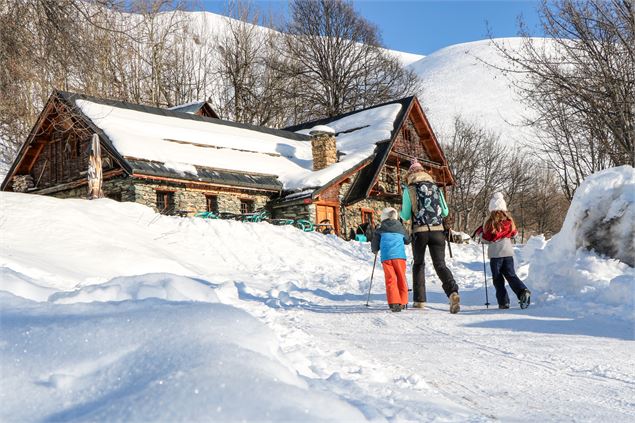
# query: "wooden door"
{"type": "Point", "coordinates": [327, 212]}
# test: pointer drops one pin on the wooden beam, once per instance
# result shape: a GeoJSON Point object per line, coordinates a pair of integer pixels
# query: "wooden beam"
{"type": "Point", "coordinates": [37, 147]}
{"type": "Point", "coordinates": [203, 185]}
{"type": "Point", "coordinates": [75, 184]}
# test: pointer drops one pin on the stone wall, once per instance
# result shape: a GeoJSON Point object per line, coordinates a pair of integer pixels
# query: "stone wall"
{"type": "Point", "coordinates": [295, 211]}
{"type": "Point", "coordinates": [194, 199]}
{"type": "Point", "coordinates": [354, 212]}
{"type": "Point", "coordinates": [119, 189]}
{"type": "Point", "coordinates": [185, 198]}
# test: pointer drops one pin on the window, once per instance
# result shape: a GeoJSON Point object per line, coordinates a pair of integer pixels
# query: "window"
{"type": "Point", "coordinates": [212, 203]}
{"type": "Point", "coordinates": [165, 202]}
{"type": "Point", "coordinates": [367, 216]}
{"type": "Point", "coordinates": [247, 206]}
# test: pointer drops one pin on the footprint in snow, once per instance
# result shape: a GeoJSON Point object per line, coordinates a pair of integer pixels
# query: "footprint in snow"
{"type": "Point", "coordinates": [377, 321]}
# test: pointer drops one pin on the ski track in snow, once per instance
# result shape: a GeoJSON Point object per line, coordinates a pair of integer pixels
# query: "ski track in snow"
{"type": "Point", "coordinates": [405, 362]}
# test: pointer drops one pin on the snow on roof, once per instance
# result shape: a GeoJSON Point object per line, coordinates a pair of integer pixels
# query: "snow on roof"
{"type": "Point", "coordinates": [191, 107]}
{"type": "Point", "coordinates": [323, 129]}
{"type": "Point", "coordinates": [181, 142]}
{"type": "Point", "coordinates": [356, 137]}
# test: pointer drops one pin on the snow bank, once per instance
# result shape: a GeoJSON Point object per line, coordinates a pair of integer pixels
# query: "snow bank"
{"type": "Point", "coordinates": [163, 286]}
{"type": "Point", "coordinates": [590, 261]}
{"type": "Point", "coordinates": [111, 312]}
{"type": "Point", "coordinates": [602, 216]}
{"type": "Point", "coordinates": [69, 244]}
{"type": "Point", "coordinates": [148, 361]}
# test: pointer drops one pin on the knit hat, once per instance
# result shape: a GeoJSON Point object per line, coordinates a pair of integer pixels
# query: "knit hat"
{"type": "Point", "coordinates": [497, 203]}
{"type": "Point", "coordinates": [388, 213]}
{"type": "Point", "coordinates": [415, 166]}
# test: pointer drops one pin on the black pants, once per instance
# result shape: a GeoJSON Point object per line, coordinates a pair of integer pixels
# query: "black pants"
{"type": "Point", "coordinates": [436, 241]}
{"type": "Point", "coordinates": [503, 268]}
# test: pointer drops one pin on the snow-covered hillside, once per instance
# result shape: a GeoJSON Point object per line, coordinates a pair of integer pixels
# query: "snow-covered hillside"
{"type": "Point", "coordinates": [110, 312]}
{"type": "Point", "coordinates": [463, 80]}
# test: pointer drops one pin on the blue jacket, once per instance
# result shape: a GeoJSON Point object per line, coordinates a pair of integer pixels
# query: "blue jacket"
{"type": "Point", "coordinates": [390, 238]}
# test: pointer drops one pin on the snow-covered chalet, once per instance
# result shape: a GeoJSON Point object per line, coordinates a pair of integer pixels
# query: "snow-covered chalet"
{"type": "Point", "coordinates": [185, 159]}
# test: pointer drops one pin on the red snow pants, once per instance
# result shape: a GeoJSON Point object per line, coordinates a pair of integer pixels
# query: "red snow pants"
{"type": "Point", "coordinates": [396, 284]}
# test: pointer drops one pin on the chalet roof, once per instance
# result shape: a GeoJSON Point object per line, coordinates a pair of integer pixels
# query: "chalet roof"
{"type": "Point", "coordinates": [375, 153]}
{"type": "Point", "coordinates": [328, 121]}
{"type": "Point", "coordinates": [162, 142]}
{"type": "Point", "coordinates": [212, 176]}
{"type": "Point", "coordinates": [202, 108]}
{"type": "Point", "coordinates": [186, 142]}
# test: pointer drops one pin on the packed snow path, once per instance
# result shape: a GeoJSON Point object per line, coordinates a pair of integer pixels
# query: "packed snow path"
{"type": "Point", "coordinates": [509, 365]}
{"type": "Point", "coordinates": [111, 312]}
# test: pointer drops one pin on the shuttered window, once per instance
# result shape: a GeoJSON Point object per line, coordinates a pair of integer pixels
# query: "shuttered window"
{"type": "Point", "coordinates": [165, 202]}
{"type": "Point", "coordinates": [247, 206]}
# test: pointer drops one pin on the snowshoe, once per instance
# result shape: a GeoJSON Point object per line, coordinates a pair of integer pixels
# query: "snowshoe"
{"type": "Point", "coordinates": [525, 299]}
{"type": "Point", "coordinates": [395, 307]}
{"type": "Point", "coordinates": [455, 305]}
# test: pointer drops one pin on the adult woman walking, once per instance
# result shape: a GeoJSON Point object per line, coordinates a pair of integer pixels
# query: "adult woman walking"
{"type": "Point", "coordinates": [423, 204]}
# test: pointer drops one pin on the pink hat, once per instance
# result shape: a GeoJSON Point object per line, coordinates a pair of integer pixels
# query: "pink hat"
{"type": "Point", "coordinates": [415, 166]}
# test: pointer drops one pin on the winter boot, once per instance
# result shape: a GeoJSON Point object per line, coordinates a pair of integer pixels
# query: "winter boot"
{"type": "Point", "coordinates": [454, 302]}
{"type": "Point", "coordinates": [404, 306]}
{"type": "Point", "coordinates": [417, 304]}
{"type": "Point", "coordinates": [503, 306]}
{"type": "Point", "coordinates": [394, 307]}
{"type": "Point", "coordinates": [525, 299]}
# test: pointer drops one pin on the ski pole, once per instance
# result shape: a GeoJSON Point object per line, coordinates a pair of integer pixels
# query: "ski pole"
{"type": "Point", "coordinates": [447, 238]}
{"type": "Point", "coordinates": [485, 276]}
{"type": "Point", "coordinates": [371, 278]}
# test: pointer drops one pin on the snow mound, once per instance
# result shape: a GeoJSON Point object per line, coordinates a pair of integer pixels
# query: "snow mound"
{"type": "Point", "coordinates": [590, 261]}
{"type": "Point", "coordinates": [602, 215]}
{"type": "Point", "coordinates": [160, 285]}
{"type": "Point", "coordinates": [23, 286]}
{"type": "Point", "coordinates": [149, 361]}
{"type": "Point", "coordinates": [70, 244]}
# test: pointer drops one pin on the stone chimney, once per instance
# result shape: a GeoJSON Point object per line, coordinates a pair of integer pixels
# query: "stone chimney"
{"type": "Point", "coordinates": [323, 146]}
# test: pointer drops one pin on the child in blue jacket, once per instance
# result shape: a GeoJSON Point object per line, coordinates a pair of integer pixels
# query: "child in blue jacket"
{"type": "Point", "coordinates": [390, 238]}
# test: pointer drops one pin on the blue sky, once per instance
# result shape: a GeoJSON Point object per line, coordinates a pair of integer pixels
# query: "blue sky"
{"type": "Point", "coordinates": [424, 26]}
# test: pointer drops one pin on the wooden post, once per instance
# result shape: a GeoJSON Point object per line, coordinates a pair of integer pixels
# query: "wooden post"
{"type": "Point", "coordinates": [94, 169]}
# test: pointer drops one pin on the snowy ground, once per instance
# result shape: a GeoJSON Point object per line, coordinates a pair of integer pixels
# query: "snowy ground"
{"type": "Point", "coordinates": [110, 312]}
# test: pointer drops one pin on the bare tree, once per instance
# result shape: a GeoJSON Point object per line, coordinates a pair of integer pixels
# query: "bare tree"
{"type": "Point", "coordinates": [482, 166]}
{"type": "Point", "coordinates": [477, 162]}
{"type": "Point", "coordinates": [96, 47]}
{"type": "Point", "coordinates": [334, 56]}
{"type": "Point", "coordinates": [581, 83]}
{"type": "Point", "coordinates": [252, 84]}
